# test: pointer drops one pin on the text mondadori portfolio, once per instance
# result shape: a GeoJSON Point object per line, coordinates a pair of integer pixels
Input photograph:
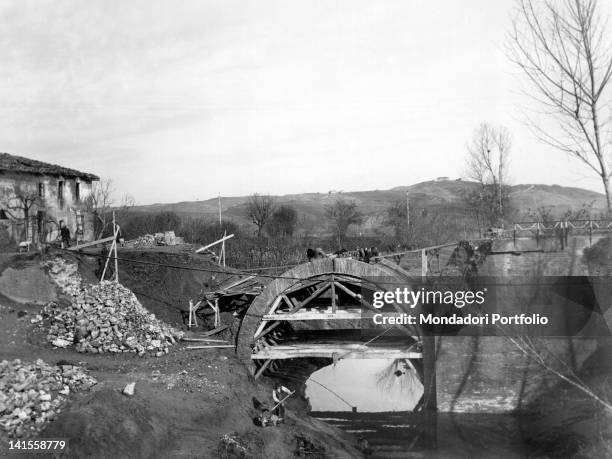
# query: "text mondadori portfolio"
{"type": "Point", "coordinates": [469, 319]}
{"type": "Point", "coordinates": [459, 299]}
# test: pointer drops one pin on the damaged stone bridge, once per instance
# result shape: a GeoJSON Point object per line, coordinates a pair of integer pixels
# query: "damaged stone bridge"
{"type": "Point", "coordinates": [313, 315]}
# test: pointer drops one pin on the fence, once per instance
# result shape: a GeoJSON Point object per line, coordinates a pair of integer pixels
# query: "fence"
{"type": "Point", "coordinates": [561, 229]}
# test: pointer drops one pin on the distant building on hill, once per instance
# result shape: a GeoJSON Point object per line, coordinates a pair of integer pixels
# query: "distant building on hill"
{"type": "Point", "coordinates": [442, 179]}
{"type": "Point", "coordinates": [36, 196]}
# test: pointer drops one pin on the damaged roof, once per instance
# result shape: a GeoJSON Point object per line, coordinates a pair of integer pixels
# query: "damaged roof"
{"type": "Point", "coordinates": [31, 166]}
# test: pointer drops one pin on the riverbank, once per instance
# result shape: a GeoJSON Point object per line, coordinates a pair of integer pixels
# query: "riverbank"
{"type": "Point", "coordinates": [187, 403]}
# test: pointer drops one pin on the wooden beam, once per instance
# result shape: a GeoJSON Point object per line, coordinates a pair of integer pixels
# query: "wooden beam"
{"type": "Point", "coordinates": [302, 284]}
{"type": "Point", "coordinates": [90, 244]}
{"type": "Point", "coordinates": [262, 368]}
{"type": "Point", "coordinates": [314, 295]}
{"type": "Point", "coordinates": [267, 330]}
{"type": "Point", "coordinates": [333, 295]}
{"type": "Point", "coordinates": [343, 351]}
{"type": "Point", "coordinates": [214, 331]}
{"type": "Point", "coordinates": [325, 314]}
{"type": "Point", "coordinates": [224, 238]}
{"type": "Point", "coordinates": [207, 340]}
{"type": "Point", "coordinates": [212, 346]}
{"type": "Point", "coordinates": [236, 284]}
{"type": "Point", "coordinates": [373, 309]}
{"type": "Point", "coordinates": [263, 323]}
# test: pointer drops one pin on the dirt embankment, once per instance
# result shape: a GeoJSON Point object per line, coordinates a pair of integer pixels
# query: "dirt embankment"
{"type": "Point", "coordinates": [188, 403]}
{"type": "Point", "coordinates": [164, 280]}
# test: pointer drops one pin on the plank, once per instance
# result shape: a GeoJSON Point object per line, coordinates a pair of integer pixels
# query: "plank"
{"type": "Point", "coordinates": [236, 283]}
{"type": "Point", "coordinates": [212, 346]}
{"type": "Point", "coordinates": [214, 331]}
{"type": "Point", "coordinates": [225, 238]}
{"type": "Point", "coordinates": [327, 314]}
{"type": "Point", "coordinates": [262, 368]}
{"type": "Point", "coordinates": [343, 351]}
{"type": "Point", "coordinates": [90, 244]}
{"type": "Point", "coordinates": [208, 340]}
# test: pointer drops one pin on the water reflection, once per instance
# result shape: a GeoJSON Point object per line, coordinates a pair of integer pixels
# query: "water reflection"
{"type": "Point", "coordinates": [385, 392]}
{"type": "Point", "coordinates": [370, 385]}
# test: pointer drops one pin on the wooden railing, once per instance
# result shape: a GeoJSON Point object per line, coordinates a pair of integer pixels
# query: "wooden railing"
{"type": "Point", "coordinates": [561, 228]}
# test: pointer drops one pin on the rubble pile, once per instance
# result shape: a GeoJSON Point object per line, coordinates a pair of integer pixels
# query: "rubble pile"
{"type": "Point", "coordinates": [33, 393]}
{"type": "Point", "coordinates": [107, 317]}
{"type": "Point", "coordinates": [151, 240]}
{"type": "Point", "coordinates": [65, 275]}
{"type": "Point", "coordinates": [147, 240]}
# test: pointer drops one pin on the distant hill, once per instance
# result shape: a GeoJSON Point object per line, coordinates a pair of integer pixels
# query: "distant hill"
{"type": "Point", "coordinates": [436, 195]}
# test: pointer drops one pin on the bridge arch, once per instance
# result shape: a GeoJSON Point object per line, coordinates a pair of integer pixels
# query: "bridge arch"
{"type": "Point", "coordinates": [312, 315]}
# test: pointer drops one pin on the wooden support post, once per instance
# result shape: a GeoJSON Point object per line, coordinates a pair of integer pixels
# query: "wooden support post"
{"type": "Point", "coordinates": [262, 368]}
{"type": "Point", "coordinates": [113, 246]}
{"type": "Point", "coordinates": [333, 295]}
{"type": "Point", "coordinates": [423, 264]}
{"type": "Point", "coordinates": [192, 313]}
{"type": "Point", "coordinates": [116, 232]}
{"type": "Point", "coordinates": [429, 373]}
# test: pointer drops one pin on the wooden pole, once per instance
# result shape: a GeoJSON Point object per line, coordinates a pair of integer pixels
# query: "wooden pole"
{"type": "Point", "coordinates": [116, 232]}
{"type": "Point", "coordinates": [423, 264]}
{"type": "Point", "coordinates": [408, 217]}
{"type": "Point", "coordinates": [430, 391]}
{"type": "Point", "coordinates": [107, 260]}
{"type": "Point", "coordinates": [223, 246]}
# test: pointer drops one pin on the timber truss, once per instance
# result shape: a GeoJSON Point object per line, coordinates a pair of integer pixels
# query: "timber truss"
{"type": "Point", "coordinates": [329, 316]}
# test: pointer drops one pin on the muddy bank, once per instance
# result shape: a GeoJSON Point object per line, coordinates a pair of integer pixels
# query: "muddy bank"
{"type": "Point", "coordinates": [186, 403]}
{"type": "Point", "coordinates": [163, 290]}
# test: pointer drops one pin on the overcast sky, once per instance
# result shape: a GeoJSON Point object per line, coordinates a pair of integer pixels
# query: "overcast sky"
{"type": "Point", "coordinates": [183, 100]}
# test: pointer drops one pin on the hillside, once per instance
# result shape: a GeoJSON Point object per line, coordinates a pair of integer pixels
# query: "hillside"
{"type": "Point", "coordinates": [443, 196]}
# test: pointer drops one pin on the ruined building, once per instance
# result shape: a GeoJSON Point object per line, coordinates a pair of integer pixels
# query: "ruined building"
{"type": "Point", "coordinates": [36, 196]}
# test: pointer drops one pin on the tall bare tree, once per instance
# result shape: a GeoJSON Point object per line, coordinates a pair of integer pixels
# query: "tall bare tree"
{"type": "Point", "coordinates": [564, 49]}
{"type": "Point", "coordinates": [341, 215]}
{"type": "Point", "coordinates": [487, 163]}
{"type": "Point", "coordinates": [100, 203]}
{"type": "Point", "coordinates": [260, 209]}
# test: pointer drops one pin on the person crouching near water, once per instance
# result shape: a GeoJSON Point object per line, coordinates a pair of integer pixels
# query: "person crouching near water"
{"type": "Point", "coordinates": [279, 393]}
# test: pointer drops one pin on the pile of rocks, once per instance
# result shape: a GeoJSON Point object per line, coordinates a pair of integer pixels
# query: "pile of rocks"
{"type": "Point", "coordinates": [147, 240]}
{"type": "Point", "coordinates": [65, 275]}
{"type": "Point", "coordinates": [33, 393]}
{"type": "Point", "coordinates": [105, 317]}
{"type": "Point", "coordinates": [151, 240]}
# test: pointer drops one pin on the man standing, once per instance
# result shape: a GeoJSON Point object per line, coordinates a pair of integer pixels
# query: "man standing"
{"type": "Point", "coordinates": [64, 234]}
{"type": "Point", "coordinates": [279, 394]}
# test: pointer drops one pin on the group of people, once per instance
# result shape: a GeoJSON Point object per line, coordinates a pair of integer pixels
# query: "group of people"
{"type": "Point", "coordinates": [364, 254]}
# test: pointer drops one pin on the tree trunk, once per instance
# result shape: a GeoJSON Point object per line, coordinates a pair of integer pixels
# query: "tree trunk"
{"type": "Point", "coordinates": [26, 218]}
{"type": "Point", "coordinates": [606, 183]}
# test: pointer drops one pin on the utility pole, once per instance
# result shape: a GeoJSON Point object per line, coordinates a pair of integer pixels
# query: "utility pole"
{"type": "Point", "coordinates": [219, 209]}
{"type": "Point", "coordinates": [408, 216]}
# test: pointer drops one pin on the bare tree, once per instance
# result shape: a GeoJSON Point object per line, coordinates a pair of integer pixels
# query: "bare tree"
{"type": "Point", "coordinates": [343, 214]}
{"type": "Point", "coordinates": [100, 203]}
{"type": "Point", "coordinates": [20, 204]}
{"type": "Point", "coordinates": [487, 164]}
{"type": "Point", "coordinates": [563, 49]}
{"type": "Point", "coordinates": [260, 209]}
